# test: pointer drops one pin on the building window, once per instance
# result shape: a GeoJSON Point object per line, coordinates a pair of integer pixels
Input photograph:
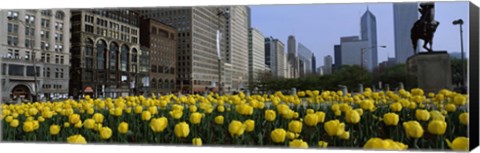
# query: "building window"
{"type": "Point", "coordinates": [134, 55]}
{"type": "Point", "coordinates": [29, 31]}
{"type": "Point", "coordinates": [57, 59]}
{"type": "Point", "coordinates": [56, 73]}
{"type": "Point", "coordinates": [16, 54]}
{"type": "Point", "coordinates": [12, 41]}
{"type": "Point", "coordinates": [43, 57]}
{"type": "Point", "coordinates": [88, 47]}
{"type": "Point", "coordinates": [12, 28]}
{"type": "Point", "coordinates": [45, 23]}
{"type": "Point", "coordinates": [44, 46]}
{"type": "Point", "coordinates": [29, 19]}
{"type": "Point", "coordinates": [46, 12]}
{"type": "Point", "coordinates": [124, 58]}
{"type": "Point", "coordinates": [27, 55]}
{"type": "Point", "coordinates": [48, 58]}
{"type": "Point", "coordinates": [113, 56]}
{"type": "Point", "coordinates": [134, 40]}
{"type": "Point", "coordinates": [58, 26]}
{"type": "Point", "coordinates": [89, 28]}
{"type": "Point", "coordinates": [13, 15]}
{"type": "Point", "coordinates": [48, 72]}
{"type": "Point", "coordinates": [58, 37]}
{"type": "Point", "coordinates": [88, 63]}
{"type": "Point", "coordinates": [154, 69]}
{"type": "Point", "coordinates": [61, 73]}
{"type": "Point", "coordinates": [59, 15]}
{"type": "Point", "coordinates": [16, 70]}
{"type": "Point", "coordinates": [29, 43]}
{"type": "Point", "coordinates": [62, 60]}
{"type": "Point", "coordinates": [101, 48]}
{"type": "Point", "coordinates": [31, 71]}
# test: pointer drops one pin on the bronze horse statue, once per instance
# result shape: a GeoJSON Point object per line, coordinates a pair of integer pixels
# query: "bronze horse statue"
{"type": "Point", "coordinates": [424, 28]}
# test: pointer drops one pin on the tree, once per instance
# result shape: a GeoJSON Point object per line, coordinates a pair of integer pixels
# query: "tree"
{"type": "Point", "coordinates": [392, 76]}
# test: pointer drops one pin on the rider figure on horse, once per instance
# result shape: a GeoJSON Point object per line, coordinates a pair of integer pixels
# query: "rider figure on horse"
{"type": "Point", "coordinates": [426, 9]}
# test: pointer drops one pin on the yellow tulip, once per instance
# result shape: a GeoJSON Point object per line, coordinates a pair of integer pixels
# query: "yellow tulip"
{"type": "Point", "coordinates": [352, 117]}
{"type": "Point", "coordinates": [463, 118]}
{"type": "Point", "coordinates": [310, 111]}
{"type": "Point", "coordinates": [182, 130]}
{"type": "Point", "coordinates": [195, 118]}
{"type": "Point", "coordinates": [436, 115]}
{"type": "Point", "coordinates": [311, 119]}
{"type": "Point", "coordinates": [437, 127]}
{"type": "Point", "coordinates": [458, 144]}
{"type": "Point", "coordinates": [270, 115]}
{"type": "Point", "coordinates": [413, 129]}
{"type": "Point", "coordinates": [89, 124]}
{"type": "Point", "coordinates": [74, 118]}
{"type": "Point", "coordinates": [146, 115]}
{"type": "Point", "coordinates": [153, 110]}
{"type": "Point", "coordinates": [193, 109]}
{"type": "Point", "coordinates": [98, 117]}
{"type": "Point", "coordinates": [28, 126]}
{"type": "Point", "coordinates": [9, 119]}
{"type": "Point", "coordinates": [396, 107]}
{"type": "Point", "coordinates": [14, 123]}
{"type": "Point", "coordinates": [379, 144]}
{"type": "Point", "coordinates": [298, 143]}
{"type": "Point", "coordinates": [338, 113]}
{"type": "Point", "coordinates": [345, 135]}
{"type": "Point", "coordinates": [460, 100]}
{"type": "Point", "coordinates": [66, 124]}
{"type": "Point", "coordinates": [390, 119]}
{"type": "Point", "coordinates": [220, 108]}
{"type": "Point", "coordinates": [278, 135]}
{"type": "Point", "coordinates": [321, 117]}
{"type": "Point", "coordinates": [295, 126]}
{"type": "Point", "coordinates": [422, 115]}
{"type": "Point", "coordinates": [334, 128]}
{"type": "Point", "coordinates": [138, 109]}
{"type": "Point", "coordinates": [76, 139]}
{"type": "Point", "coordinates": [176, 114]}
{"type": "Point", "coordinates": [32, 111]}
{"type": "Point", "coordinates": [123, 128]}
{"type": "Point", "coordinates": [249, 125]}
{"type": "Point", "coordinates": [450, 107]}
{"type": "Point", "coordinates": [105, 133]}
{"type": "Point", "coordinates": [159, 124]}
{"type": "Point", "coordinates": [197, 141]}
{"type": "Point", "coordinates": [79, 124]}
{"type": "Point", "coordinates": [219, 119]}
{"type": "Point", "coordinates": [54, 129]}
{"type": "Point", "coordinates": [322, 144]}
{"type": "Point", "coordinates": [236, 128]}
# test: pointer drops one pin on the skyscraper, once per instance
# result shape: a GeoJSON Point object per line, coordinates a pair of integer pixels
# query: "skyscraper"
{"type": "Point", "coordinates": [404, 16]}
{"type": "Point", "coordinates": [327, 64]}
{"type": "Point", "coordinates": [237, 25]}
{"type": "Point", "coordinates": [338, 56]}
{"type": "Point", "coordinates": [197, 59]}
{"type": "Point", "coordinates": [256, 55]}
{"type": "Point", "coordinates": [314, 64]}
{"type": "Point", "coordinates": [368, 25]}
{"type": "Point", "coordinates": [350, 50]}
{"type": "Point", "coordinates": [275, 56]}
{"type": "Point", "coordinates": [292, 56]}
{"type": "Point", "coordinates": [305, 60]}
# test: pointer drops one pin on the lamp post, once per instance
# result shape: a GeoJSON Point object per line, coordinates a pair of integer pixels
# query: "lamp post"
{"type": "Point", "coordinates": [225, 13]}
{"type": "Point", "coordinates": [33, 58]}
{"type": "Point", "coordinates": [460, 22]}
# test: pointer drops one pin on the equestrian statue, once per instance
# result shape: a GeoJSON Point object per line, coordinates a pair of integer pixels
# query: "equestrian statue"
{"type": "Point", "coordinates": [425, 27]}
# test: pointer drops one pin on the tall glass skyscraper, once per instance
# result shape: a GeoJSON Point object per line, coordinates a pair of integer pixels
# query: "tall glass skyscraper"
{"type": "Point", "coordinates": [404, 16]}
{"type": "Point", "coordinates": [368, 32]}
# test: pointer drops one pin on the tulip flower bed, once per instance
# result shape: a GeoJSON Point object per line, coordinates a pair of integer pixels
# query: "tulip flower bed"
{"type": "Point", "coordinates": [310, 119]}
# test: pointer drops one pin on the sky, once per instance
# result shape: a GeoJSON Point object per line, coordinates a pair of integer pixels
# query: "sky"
{"type": "Point", "coordinates": [320, 26]}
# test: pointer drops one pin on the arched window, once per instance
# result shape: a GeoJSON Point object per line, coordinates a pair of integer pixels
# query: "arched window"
{"type": "Point", "coordinates": [88, 54]}
{"type": "Point", "coordinates": [154, 84]}
{"type": "Point", "coordinates": [172, 85]}
{"type": "Point", "coordinates": [160, 84]}
{"type": "Point", "coordinates": [124, 58]}
{"type": "Point", "coordinates": [134, 55]}
{"type": "Point", "coordinates": [101, 50]}
{"type": "Point", "coordinates": [59, 15]}
{"type": "Point", "coordinates": [165, 84]}
{"type": "Point", "coordinates": [113, 56]}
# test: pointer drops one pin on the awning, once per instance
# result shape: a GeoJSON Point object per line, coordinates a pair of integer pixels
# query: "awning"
{"type": "Point", "coordinates": [88, 89]}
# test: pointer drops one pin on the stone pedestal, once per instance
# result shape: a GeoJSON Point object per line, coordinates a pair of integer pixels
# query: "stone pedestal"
{"type": "Point", "coordinates": [429, 71]}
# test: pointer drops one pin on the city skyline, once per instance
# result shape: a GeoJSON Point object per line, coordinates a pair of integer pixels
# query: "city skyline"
{"type": "Point", "coordinates": [319, 32]}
